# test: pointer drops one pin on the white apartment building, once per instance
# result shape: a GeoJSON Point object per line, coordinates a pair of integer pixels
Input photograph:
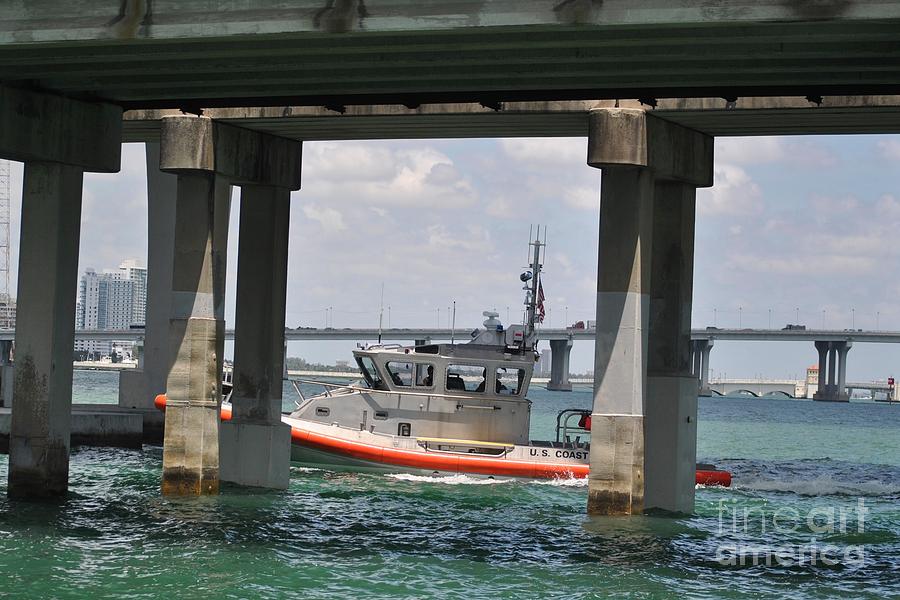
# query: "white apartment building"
{"type": "Point", "coordinates": [113, 299]}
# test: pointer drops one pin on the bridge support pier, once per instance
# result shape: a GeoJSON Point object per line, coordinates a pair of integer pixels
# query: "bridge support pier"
{"type": "Point", "coordinates": [700, 351]}
{"type": "Point", "coordinates": [58, 140]}
{"type": "Point", "coordinates": [139, 387]}
{"type": "Point", "coordinates": [560, 350]}
{"type": "Point", "coordinates": [208, 157]}
{"type": "Point", "coordinates": [650, 171]}
{"type": "Point", "coordinates": [832, 385]}
{"type": "Point", "coordinates": [255, 446]}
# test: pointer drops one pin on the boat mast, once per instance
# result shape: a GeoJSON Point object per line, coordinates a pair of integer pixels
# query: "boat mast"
{"type": "Point", "coordinates": [531, 294]}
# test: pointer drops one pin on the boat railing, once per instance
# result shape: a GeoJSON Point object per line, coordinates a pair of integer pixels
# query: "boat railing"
{"type": "Point", "coordinates": [570, 426]}
{"type": "Point", "coordinates": [330, 388]}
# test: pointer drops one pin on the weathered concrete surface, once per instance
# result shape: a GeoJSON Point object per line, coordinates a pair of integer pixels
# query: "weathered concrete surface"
{"type": "Point", "coordinates": [620, 354]}
{"type": "Point", "coordinates": [670, 423]}
{"type": "Point", "coordinates": [260, 306]}
{"type": "Point", "coordinates": [670, 443]}
{"type": "Point", "coordinates": [642, 362]}
{"type": "Point", "coordinates": [712, 116]}
{"type": "Point", "coordinates": [43, 127]}
{"type": "Point", "coordinates": [254, 454]}
{"type": "Point", "coordinates": [241, 155]}
{"type": "Point", "coordinates": [255, 445]}
{"type": "Point", "coordinates": [93, 425]}
{"type": "Point", "coordinates": [45, 328]}
{"type": "Point", "coordinates": [634, 137]}
{"type": "Point", "coordinates": [170, 53]}
{"type": "Point", "coordinates": [138, 388]}
{"type": "Point", "coordinates": [196, 336]}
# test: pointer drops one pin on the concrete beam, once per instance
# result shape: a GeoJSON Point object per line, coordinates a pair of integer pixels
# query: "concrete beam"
{"type": "Point", "coordinates": [44, 127]}
{"type": "Point", "coordinates": [621, 137]}
{"type": "Point", "coordinates": [241, 155]}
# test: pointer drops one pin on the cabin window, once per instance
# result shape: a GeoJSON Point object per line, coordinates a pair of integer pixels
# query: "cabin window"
{"type": "Point", "coordinates": [404, 429]}
{"type": "Point", "coordinates": [322, 411]}
{"type": "Point", "coordinates": [465, 378]}
{"type": "Point", "coordinates": [509, 381]}
{"type": "Point", "coordinates": [424, 375]}
{"type": "Point", "coordinates": [401, 373]}
{"type": "Point", "coordinates": [370, 372]}
{"type": "Point", "coordinates": [381, 415]}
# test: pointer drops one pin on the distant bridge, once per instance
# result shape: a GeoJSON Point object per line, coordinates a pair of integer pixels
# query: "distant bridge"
{"type": "Point", "coordinates": [548, 333]}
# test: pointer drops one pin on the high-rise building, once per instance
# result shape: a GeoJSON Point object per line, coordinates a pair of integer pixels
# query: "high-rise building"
{"type": "Point", "coordinates": [135, 272]}
{"type": "Point", "coordinates": [113, 299]}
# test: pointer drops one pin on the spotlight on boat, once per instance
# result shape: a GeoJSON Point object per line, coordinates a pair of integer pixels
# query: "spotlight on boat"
{"type": "Point", "coordinates": [526, 276]}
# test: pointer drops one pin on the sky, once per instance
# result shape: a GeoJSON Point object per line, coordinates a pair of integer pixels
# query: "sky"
{"type": "Point", "coordinates": [795, 229]}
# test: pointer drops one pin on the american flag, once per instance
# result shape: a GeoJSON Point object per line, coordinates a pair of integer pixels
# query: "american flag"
{"type": "Point", "coordinates": [540, 302]}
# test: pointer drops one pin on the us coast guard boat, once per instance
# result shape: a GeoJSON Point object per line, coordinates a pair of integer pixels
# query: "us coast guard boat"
{"type": "Point", "coordinates": [446, 409]}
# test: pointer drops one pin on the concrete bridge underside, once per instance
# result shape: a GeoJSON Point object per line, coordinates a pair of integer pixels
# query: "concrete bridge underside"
{"type": "Point", "coordinates": [167, 53]}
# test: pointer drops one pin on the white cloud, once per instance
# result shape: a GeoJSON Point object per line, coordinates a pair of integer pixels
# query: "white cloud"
{"type": "Point", "coordinates": [330, 219]}
{"type": "Point", "coordinates": [584, 198]}
{"type": "Point", "coordinates": [749, 150]}
{"type": "Point", "coordinates": [890, 149]}
{"type": "Point", "coordinates": [568, 151]}
{"type": "Point", "coordinates": [734, 193]}
{"type": "Point", "coordinates": [342, 173]}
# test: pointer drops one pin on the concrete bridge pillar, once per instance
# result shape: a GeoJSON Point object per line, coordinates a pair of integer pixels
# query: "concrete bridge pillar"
{"type": "Point", "coordinates": [255, 444]}
{"type": "Point", "coordinates": [58, 139]}
{"type": "Point", "coordinates": [822, 348]}
{"type": "Point", "coordinates": [644, 415]}
{"type": "Point", "coordinates": [704, 372]}
{"type": "Point", "coordinates": [560, 350]}
{"type": "Point", "coordinates": [842, 348]}
{"type": "Point", "coordinates": [139, 387]}
{"type": "Point", "coordinates": [207, 158]}
{"type": "Point", "coordinates": [833, 371]}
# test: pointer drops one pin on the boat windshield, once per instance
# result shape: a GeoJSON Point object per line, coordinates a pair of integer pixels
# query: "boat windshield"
{"type": "Point", "coordinates": [370, 372]}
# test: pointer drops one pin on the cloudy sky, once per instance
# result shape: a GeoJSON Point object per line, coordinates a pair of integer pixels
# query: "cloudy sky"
{"type": "Point", "coordinates": [804, 225]}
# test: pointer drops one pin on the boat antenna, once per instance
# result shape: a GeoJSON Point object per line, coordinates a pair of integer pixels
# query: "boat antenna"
{"type": "Point", "coordinates": [381, 312]}
{"type": "Point", "coordinates": [453, 324]}
{"type": "Point", "coordinates": [531, 291]}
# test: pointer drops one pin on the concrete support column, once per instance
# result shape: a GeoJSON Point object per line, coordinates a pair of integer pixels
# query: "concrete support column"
{"type": "Point", "coordinates": [822, 348]}
{"type": "Point", "coordinates": [138, 388]}
{"type": "Point", "coordinates": [696, 357]}
{"type": "Point", "coordinates": [196, 339]}
{"type": "Point", "coordinates": [560, 350]}
{"type": "Point", "coordinates": [704, 372]}
{"type": "Point", "coordinates": [633, 414]}
{"type": "Point", "coordinates": [207, 156]}
{"type": "Point", "coordinates": [45, 330]}
{"type": "Point", "coordinates": [832, 366]}
{"type": "Point", "coordinates": [670, 422]}
{"type": "Point", "coordinates": [841, 393]}
{"type": "Point", "coordinates": [255, 444]}
{"type": "Point", "coordinates": [616, 480]}
{"type": "Point", "coordinates": [58, 139]}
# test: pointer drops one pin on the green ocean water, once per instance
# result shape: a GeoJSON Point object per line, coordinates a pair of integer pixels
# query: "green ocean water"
{"type": "Point", "coordinates": [382, 536]}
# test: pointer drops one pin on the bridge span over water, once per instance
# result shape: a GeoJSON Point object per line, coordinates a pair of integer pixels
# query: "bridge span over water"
{"type": "Point", "coordinates": [649, 82]}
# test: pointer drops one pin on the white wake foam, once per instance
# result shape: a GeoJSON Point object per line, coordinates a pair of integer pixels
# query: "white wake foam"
{"type": "Point", "coordinates": [563, 482]}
